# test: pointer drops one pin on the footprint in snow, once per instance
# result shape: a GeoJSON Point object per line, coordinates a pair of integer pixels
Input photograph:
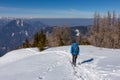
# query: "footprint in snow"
{"type": "Point", "coordinates": [40, 77]}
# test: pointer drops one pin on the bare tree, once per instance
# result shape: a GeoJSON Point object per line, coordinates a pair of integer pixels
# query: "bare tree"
{"type": "Point", "coordinates": [119, 32]}
{"type": "Point", "coordinates": [114, 19]}
{"type": "Point", "coordinates": [105, 31]}
{"type": "Point", "coordinates": [66, 35]}
{"type": "Point", "coordinates": [60, 36]}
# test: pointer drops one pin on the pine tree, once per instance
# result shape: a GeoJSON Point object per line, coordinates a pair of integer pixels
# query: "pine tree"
{"type": "Point", "coordinates": [26, 43]}
{"type": "Point", "coordinates": [42, 41]}
{"type": "Point", "coordinates": [36, 40]}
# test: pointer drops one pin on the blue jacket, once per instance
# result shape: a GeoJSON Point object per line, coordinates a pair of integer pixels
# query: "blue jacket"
{"type": "Point", "coordinates": [72, 50]}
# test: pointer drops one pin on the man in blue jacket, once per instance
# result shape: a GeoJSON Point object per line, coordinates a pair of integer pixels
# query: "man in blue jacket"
{"type": "Point", "coordinates": [74, 51]}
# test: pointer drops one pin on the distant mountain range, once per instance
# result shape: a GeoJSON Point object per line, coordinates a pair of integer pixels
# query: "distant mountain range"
{"type": "Point", "coordinates": [14, 32]}
{"type": "Point", "coordinates": [68, 21]}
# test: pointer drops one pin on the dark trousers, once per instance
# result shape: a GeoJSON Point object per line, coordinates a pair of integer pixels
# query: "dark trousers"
{"type": "Point", "coordinates": [74, 57]}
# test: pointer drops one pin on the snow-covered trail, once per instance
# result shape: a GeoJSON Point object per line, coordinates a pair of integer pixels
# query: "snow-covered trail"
{"type": "Point", "coordinates": [54, 64]}
{"type": "Point", "coordinates": [46, 66]}
{"type": "Point", "coordinates": [95, 63]}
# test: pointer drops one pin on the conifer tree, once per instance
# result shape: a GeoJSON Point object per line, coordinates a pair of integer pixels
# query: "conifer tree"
{"type": "Point", "coordinates": [36, 40]}
{"type": "Point", "coordinates": [26, 43]}
{"type": "Point", "coordinates": [42, 41]}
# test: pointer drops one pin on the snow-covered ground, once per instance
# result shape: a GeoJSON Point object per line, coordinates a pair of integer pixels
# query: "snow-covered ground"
{"type": "Point", "coordinates": [93, 63]}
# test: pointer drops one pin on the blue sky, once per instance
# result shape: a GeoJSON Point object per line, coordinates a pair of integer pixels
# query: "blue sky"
{"type": "Point", "coordinates": [57, 8]}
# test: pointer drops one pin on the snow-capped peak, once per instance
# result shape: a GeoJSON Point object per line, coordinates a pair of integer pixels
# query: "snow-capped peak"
{"type": "Point", "coordinates": [19, 22]}
{"type": "Point", "coordinates": [77, 32]}
{"type": "Point", "coordinates": [13, 34]}
{"type": "Point", "coordinates": [26, 33]}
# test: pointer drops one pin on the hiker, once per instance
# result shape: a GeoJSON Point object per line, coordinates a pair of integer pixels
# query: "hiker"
{"type": "Point", "coordinates": [74, 51]}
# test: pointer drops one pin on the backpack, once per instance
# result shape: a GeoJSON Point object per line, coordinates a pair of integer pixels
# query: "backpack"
{"type": "Point", "coordinates": [76, 48]}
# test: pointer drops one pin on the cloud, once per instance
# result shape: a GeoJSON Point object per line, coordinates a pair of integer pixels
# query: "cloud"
{"type": "Point", "coordinates": [45, 13]}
